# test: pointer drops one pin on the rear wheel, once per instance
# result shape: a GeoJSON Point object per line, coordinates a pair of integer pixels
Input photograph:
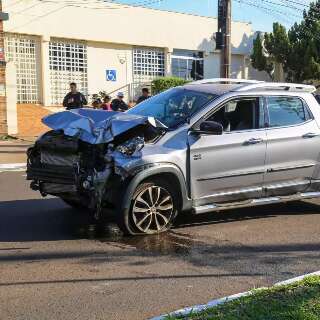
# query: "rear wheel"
{"type": "Point", "coordinates": [153, 208]}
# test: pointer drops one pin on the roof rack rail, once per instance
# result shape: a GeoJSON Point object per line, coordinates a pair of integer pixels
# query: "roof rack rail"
{"type": "Point", "coordinates": [278, 86]}
{"type": "Point", "coordinates": [224, 80]}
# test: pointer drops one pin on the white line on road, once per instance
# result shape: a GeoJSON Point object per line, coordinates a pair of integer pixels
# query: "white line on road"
{"type": "Point", "coordinates": [12, 167]}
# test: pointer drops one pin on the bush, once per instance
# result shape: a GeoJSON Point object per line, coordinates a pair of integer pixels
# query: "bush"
{"type": "Point", "coordinates": [161, 84]}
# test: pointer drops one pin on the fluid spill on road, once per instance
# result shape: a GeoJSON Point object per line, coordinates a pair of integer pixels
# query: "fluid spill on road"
{"type": "Point", "coordinates": [166, 243]}
{"type": "Point", "coordinates": [163, 244]}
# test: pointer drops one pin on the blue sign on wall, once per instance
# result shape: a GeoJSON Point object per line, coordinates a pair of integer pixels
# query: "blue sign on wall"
{"type": "Point", "coordinates": [111, 75]}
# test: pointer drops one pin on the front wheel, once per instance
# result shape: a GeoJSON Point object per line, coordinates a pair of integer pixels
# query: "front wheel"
{"type": "Point", "coordinates": [153, 209]}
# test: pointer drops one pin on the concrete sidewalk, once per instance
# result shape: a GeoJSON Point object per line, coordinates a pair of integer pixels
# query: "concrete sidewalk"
{"type": "Point", "coordinates": [14, 151]}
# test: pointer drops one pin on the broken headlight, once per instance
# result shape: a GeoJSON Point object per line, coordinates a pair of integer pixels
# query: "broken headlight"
{"type": "Point", "coordinates": [131, 146]}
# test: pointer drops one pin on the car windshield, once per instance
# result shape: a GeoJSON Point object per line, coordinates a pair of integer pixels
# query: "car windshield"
{"type": "Point", "coordinates": [173, 106]}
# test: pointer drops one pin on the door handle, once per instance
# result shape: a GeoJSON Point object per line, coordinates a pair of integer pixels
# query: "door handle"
{"type": "Point", "coordinates": [310, 135]}
{"type": "Point", "coordinates": [253, 141]}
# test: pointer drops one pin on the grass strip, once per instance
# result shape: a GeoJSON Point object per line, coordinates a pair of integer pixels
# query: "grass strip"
{"type": "Point", "coordinates": [297, 301]}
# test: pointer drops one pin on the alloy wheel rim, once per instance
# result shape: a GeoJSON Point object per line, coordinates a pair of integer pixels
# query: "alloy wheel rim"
{"type": "Point", "coordinates": [152, 209]}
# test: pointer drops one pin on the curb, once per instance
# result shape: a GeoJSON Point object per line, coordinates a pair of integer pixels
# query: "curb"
{"type": "Point", "coordinates": [12, 167]}
{"type": "Point", "coordinates": [214, 303]}
{"type": "Point", "coordinates": [282, 283]}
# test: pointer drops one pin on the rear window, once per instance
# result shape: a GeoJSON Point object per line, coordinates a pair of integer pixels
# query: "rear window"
{"type": "Point", "coordinates": [286, 111]}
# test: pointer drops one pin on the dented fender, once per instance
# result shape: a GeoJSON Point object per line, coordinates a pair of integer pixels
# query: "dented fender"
{"type": "Point", "coordinates": [157, 169]}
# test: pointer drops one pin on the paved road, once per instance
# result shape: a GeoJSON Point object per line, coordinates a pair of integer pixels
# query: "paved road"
{"type": "Point", "coordinates": [56, 264]}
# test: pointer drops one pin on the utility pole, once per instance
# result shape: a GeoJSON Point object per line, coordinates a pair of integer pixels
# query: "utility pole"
{"type": "Point", "coordinates": [224, 28]}
{"type": "Point", "coordinates": [3, 101]}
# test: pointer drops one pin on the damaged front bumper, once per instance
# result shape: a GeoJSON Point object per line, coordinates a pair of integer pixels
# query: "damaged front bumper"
{"type": "Point", "coordinates": [88, 157]}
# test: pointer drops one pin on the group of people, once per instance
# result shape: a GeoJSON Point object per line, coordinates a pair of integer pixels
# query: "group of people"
{"type": "Point", "coordinates": [75, 99]}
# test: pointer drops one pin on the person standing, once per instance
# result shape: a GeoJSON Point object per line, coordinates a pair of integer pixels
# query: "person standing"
{"type": "Point", "coordinates": [106, 103]}
{"type": "Point", "coordinates": [145, 95]}
{"type": "Point", "coordinates": [118, 104]}
{"type": "Point", "coordinates": [74, 99]}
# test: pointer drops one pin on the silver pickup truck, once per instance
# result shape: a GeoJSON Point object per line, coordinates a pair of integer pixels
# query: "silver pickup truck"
{"type": "Point", "coordinates": [210, 145]}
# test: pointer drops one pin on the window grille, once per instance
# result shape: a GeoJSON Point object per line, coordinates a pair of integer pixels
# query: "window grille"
{"type": "Point", "coordinates": [24, 51]}
{"type": "Point", "coordinates": [148, 64]}
{"type": "Point", "coordinates": [68, 63]}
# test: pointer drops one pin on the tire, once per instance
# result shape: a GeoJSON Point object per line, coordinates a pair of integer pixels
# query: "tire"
{"type": "Point", "coordinates": [153, 209]}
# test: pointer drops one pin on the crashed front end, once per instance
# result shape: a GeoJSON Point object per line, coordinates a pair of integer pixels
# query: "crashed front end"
{"type": "Point", "coordinates": [85, 159]}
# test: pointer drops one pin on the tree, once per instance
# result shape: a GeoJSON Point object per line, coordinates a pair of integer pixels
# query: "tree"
{"type": "Point", "coordinates": [298, 50]}
{"type": "Point", "coordinates": [259, 59]}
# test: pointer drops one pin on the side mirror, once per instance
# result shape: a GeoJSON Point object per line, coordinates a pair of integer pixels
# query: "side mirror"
{"type": "Point", "coordinates": [211, 127]}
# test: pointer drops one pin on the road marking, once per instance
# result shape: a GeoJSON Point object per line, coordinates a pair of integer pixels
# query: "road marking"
{"type": "Point", "coordinates": [214, 303]}
{"type": "Point", "coordinates": [12, 167]}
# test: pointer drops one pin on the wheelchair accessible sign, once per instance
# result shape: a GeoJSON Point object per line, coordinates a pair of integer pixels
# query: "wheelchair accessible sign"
{"type": "Point", "coordinates": [111, 75]}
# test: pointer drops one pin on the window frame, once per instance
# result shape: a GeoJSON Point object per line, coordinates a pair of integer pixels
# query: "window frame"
{"type": "Point", "coordinates": [223, 103]}
{"type": "Point", "coordinates": [65, 66]}
{"type": "Point", "coordinates": [148, 62]}
{"type": "Point", "coordinates": [304, 104]}
{"type": "Point", "coordinates": [178, 55]}
{"type": "Point", "coordinates": [24, 51]}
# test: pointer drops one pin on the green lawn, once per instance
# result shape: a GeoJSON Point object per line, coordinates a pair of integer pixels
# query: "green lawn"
{"type": "Point", "coordinates": [299, 301]}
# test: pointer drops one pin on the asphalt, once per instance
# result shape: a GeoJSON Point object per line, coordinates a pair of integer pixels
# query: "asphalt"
{"type": "Point", "coordinates": [56, 263]}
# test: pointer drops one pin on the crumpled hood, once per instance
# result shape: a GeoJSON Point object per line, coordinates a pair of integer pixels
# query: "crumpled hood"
{"type": "Point", "coordinates": [96, 126]}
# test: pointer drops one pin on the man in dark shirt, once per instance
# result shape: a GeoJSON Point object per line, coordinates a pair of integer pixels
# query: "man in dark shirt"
{"type": "Point", "coordinates": [74, 99]}
{"type": "Point", "coordinates": [118, 104]}
{"type": "Point", "coordinates": [145, 95]}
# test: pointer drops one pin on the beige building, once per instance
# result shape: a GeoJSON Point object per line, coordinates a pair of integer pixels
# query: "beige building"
{"type": "Point", "coordinates": [110, 47]}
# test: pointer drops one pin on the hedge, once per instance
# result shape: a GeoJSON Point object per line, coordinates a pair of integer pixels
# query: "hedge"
{"type": "Point", "coordinates": [161, 84]}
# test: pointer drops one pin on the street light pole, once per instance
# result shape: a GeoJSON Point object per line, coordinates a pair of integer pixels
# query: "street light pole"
{"type": "Point", "coordinates": [3, 100]}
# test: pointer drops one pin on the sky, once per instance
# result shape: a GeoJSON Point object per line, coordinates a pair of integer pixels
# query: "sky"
{"type": "Point", "coordinates": [261, 13]}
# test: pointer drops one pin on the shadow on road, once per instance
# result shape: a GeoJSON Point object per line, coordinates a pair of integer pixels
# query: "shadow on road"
{"type": "Point", "coordinates": [51, 220]}
{"type": "Point", "coordinates": [36, 220]}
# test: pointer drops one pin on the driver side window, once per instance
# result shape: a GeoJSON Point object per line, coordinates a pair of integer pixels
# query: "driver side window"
{"type": "Point", "coordinates": [240, 114]}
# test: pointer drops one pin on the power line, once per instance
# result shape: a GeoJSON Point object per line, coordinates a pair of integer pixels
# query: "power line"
{"type": "Point", "coordinates": [297, 3]}
{"type": "Point", "coordinates": [275, 13]}
{"type": "Point", "coordinates": [69, 4]}
{"type": "Point", "coordinates": [37, 18]}
{"type": "Point", "coordinates": [116, 6]}
{"type": "Point", "coordinates": [283, 5]}
{"type": "Point", "coordinates": [26, 9]}
{"type": "Point", "coordinates": [13, 4]}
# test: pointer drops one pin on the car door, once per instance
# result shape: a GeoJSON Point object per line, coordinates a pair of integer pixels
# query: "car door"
{"type": "Point", "coordinates": [229, 167]}
{"type": "Point", "coordinates": [293, 139]}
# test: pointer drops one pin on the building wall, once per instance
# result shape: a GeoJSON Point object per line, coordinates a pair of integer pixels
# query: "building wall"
{"type": "Point", "coordinates": [122, 24]}
{"type": "Point", "coordinates": [238, 66]}
{"type": "Point", "coordinates": [109, 57]}
{"type": "Point", "coordinates": [110, 33]}
{"type": "Point", "coordinates": [212, 65]}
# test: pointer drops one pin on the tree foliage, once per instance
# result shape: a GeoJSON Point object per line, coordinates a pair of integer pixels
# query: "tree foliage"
{"type": "Point", "coordinates": [161, 84]}
{"type": "Point", "coordinates": [298, 50]}
{"type": "Point", "coordinates": [258, 58]}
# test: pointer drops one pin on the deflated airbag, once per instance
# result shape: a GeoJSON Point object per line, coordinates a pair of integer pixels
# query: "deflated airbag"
{"type": "Point", "coordinates": [97, 126]}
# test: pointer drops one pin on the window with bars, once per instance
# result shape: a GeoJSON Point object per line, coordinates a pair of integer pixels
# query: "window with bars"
{"type": "Point", "coordinates": [24, 51]}
{"type": "Point", "coordinates": [148, 64]}
{"type": "Point", "coordinates": [68, 63]}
